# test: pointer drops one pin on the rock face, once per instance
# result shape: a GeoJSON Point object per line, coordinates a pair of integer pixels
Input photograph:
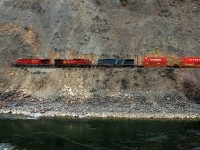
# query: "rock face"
{"type": "Point", "coordinates": [100, 29]}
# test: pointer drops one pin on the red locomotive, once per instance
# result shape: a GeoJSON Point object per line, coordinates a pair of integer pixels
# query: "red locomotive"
{"type": "Point", "coordinates": [72, 62]}
{"type": "Point", "coordinates": [32, 61]}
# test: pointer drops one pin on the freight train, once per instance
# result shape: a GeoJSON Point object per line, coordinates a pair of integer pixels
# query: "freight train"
{"type": "Point", "coordinates": [188, 62]}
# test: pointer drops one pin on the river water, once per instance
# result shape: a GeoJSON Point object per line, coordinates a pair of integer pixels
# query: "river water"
{"type": "Point", "coordinates": [98, 134]}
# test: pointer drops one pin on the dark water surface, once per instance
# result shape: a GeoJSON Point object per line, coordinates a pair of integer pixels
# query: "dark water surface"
{"type": "Point", "coordinates": [94, 134]}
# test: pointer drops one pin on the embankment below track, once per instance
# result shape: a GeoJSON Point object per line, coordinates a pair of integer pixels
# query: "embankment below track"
{"type": "Point", "coordinates": [100, 92]}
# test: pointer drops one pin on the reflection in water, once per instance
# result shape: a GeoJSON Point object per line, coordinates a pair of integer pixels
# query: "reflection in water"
{"type": "Point", "coordinates": [85, 134]}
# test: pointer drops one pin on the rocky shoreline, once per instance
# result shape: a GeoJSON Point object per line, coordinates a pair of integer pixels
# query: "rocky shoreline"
{"type": "Point", "coordinates": [135, 107]}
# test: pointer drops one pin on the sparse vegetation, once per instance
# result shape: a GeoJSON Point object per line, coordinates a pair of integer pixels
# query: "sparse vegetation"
{"type": "Point", "coordinates": [124, 2]}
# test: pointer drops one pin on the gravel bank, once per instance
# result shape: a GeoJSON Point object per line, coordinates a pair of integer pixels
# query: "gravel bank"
{"type": "Point", "coordinates": [172, 105]}
{"type": "Point", "coordinates": [100, 92]}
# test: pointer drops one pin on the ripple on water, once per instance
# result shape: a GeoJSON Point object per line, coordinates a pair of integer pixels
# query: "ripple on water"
{"type": "Point", "coordinates": [159, 138]}
{"type": "Point", "coordinates": [194, 132]}
{"type": "Point", "coordinates": [196, 148]}
{"type": "Point", "coordinates": [6, 146]}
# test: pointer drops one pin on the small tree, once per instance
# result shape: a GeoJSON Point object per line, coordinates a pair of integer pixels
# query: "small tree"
{"type": "Point", "coordinates": [163, 4]}
{"type": "Point", "coordinates": [98, 2]}
{"type": "Point", "coordinates": [124, 2]}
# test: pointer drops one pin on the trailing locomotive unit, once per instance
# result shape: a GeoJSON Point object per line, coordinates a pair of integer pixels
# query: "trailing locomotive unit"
{"type": "Point", "coordinates": [116, 62]}
{"type": "Point", "coordinates": [72, 62]}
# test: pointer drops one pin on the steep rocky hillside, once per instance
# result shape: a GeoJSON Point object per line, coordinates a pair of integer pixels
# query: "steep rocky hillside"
{"type": "Point", "coordinates": [100, 29]}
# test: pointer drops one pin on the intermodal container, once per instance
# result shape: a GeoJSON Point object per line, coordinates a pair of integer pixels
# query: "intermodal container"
{"type": "Point", "coordinates": [190, 61]}
{"type": "Point", "coordinates": [155, 62]}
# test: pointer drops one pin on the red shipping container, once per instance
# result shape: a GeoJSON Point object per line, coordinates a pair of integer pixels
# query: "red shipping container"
{"type": "Point", "coordinates": [155, 61]}
{"type": "Point", "coordinates": [190, 61]}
